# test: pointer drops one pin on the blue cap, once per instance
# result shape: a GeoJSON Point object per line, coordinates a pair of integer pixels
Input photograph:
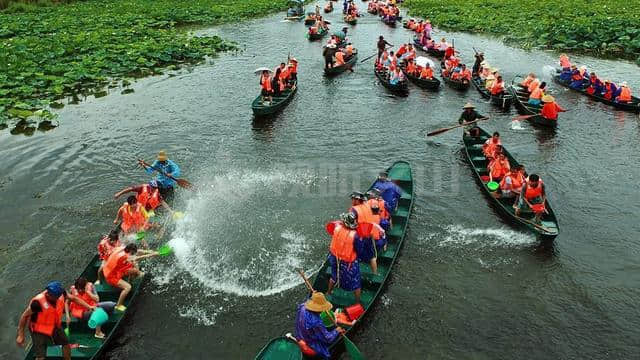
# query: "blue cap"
{"type": "Point", "coordinates": [55, 289]}
{"type": "Point", "coordinates": [153, 183]}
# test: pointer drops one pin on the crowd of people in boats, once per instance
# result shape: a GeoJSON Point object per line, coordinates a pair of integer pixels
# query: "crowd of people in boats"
{"type": "Point", "coordinates": [490, 76]}
{"type": "Point", "coordinates": [528, 192]}
{"type": "Point", "coordinates": [119, 256]}
{"type": "Point", "coordinates": [337, 53]}
{"type": "Point", "coordinates": [350, 10]}
{"type": "Point", "coordinates": [356, 238]}
{"type": "Point", "coordinates": [581, 79]}
{"type": "Point", "coordinates": [537, 96]}
{"type": "Point", "coordinates": [284, 77]}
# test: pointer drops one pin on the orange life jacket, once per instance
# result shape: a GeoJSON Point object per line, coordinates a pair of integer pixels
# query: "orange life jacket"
{"type": "Point", "coordinates": [426, 73]}
{"type": "Point", "coordinates": [531, 193]}
{"type": "Point", "coordinates": [117, 264]}
{"type": "Point", "coordinates": [527, 81]}
{"type": "Point", "coordinates": [339, 58]}
{"type": "Point", "coordinates": [625, 94]}
{"type": "Point", "coordinates": [533, 85]}
{"type": "Point", "coordinates": [150, 199]}
{"type": "Point", "coordinates": [489, 147]}
{"type": "Point", "coordinates": [294, 67]}
{"type": "Point", "coordinates": [564, 62]}
{"type": "Point", "coordinates": [516, 181]}
{"type": "Point", "coordinates": [77, 310]}
{"type": "Point", "coordinates": [411, 68]}
{"type": "Point", "coordinates": [105, 248]}
{"type": "Point", "coordinates": [266, 82]}
{"type": "Point", "coordinates": [342, 244]}
{"type": "Point", "coordinates": [497, 87]}
{"type": "Point", "coordinates": [365, 215]}
{"type": "Point", "coordinates": [401, 51]}
{"type": "Point", "coordinates": [499, 168]}
{"type": "Point", "coordinates": [536, 94]}
{"type": "Point", "coordinates": [465, 74]}
{"type": "Point", "coordinates": [133, 219]}
{"type": "Point", "coordinates": [550, 111]}
{"type": "Point", "coordinates": [50, 317]}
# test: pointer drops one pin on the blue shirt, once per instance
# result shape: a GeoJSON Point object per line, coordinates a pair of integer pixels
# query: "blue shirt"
{"type": "Point", "coordinates": [311, 329]}
{"type": "Point", "coordinates": [169, 167]}
{"type": "Point", "coordinates": [390, 193]}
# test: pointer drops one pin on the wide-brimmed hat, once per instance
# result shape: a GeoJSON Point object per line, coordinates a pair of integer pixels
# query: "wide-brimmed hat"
{"type": "Point", "coordinates": [548, 98]}
{"type": "Point", "coordinates": [293, 60]}
{"type": "Point", "coordinates": [468, 106]}
{"type": "Point", "coordinates": [318, 303]}
{"type": "Point", "coordinates": [162, 156]}
{"type": "Point", "coordinates": [494, 70]}
{"type": "Point", "coordinates": [624, 84]}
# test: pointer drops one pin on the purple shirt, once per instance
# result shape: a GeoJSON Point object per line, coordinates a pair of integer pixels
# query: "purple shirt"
{"type": "Point", "coordinates": [311, 329]}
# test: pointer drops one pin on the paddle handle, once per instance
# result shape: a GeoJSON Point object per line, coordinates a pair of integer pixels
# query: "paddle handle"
{"type": "Point", "coordinates": [306, 280]}
{"type": "Point", "coordinates": [156, 169]}
{"type": "Point", "coordinates": [440, 131]}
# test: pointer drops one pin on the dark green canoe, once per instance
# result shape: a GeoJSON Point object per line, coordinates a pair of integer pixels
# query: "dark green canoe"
{"type": "Point", "coordinates": [547, 229]}
{"type": "Point", "coordinates": [351, 61]}
{"type": "Point", "coordinates": [401, 89]}
{"type": "Point", "coordinates": [277, 103]}
{"type": "Point", "coordinates": [521, 102]}
{"type": "Point", "coordinates": [84, 344]}
{"type": "Point", "coordinates": [503, 101]}
{"type": "Point", "coordinates": [459, 85]}
{"type": "Point", "coordinates": [400, 172]}
{"type": "Point", "coordinates": [317, 36]}
{"type": "Point", "coordinates": [350, 22]}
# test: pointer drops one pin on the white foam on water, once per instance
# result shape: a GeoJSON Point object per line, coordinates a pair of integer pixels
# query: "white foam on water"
{"type": "Point", "coordinates": [459, 236]}
{"type": "Point", "coordinates": [203, 317]}
{"type": "Point", "coordinates": [549, 71]}
{"type": "Point", "coordinates": [516, 125]}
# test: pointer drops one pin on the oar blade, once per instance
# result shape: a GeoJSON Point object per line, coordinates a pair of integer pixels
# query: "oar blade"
{"type": "Point", "coordinates": [352, 349]}
{"type": "Point", "coordinates": [164, 250]}
{"type": "Point", "coordinates": [184, 184]}
{"type": "Point", "coordinates": [440, 131]}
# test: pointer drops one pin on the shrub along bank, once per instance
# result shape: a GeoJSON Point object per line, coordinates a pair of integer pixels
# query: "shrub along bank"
{"type": "Point", "coordinates": [49, 52]}
{"type": "Point", "coordinates": [606, 28]}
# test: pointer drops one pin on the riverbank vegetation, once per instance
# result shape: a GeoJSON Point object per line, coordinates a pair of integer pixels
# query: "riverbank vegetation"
{"type": "Point", "coordinates": [605, 28]}
{"type": "Point", "coordinates": [50, 51]}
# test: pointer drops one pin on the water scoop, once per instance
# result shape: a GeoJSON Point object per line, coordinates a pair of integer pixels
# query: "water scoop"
{"type": "Point", "coordinates": [140, 235]}
{"type": "Point", "coordinates": [164, 250]}
{"type": "Point", "coordinates": [492, 186]}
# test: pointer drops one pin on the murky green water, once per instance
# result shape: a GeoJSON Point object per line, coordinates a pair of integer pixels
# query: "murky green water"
{"type": "Point", "coordinates": [466, 286]}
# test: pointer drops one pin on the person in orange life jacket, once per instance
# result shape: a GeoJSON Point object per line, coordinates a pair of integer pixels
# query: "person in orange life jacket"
{"type": "Point", "coordinates": [85, 301]}
{"type": "Point", "coordinates": [343, 259]}
{"type": "Point", "coordinates": [133, 215]}
{"type": "Point", "coordinates": [550, 109]}
{"type": "Point", "coordinates": [489, 146]}
{"type": "Point", "coordinates": [532, 194]}
{"type": "Point", "coordinates": [373, 195]}
{"type": "Point", "coordinates": [265, 86]}
{"type": "Point", "coordinates": [498, 167]}
{"type": "Point", "coordinates": [535, 98]}
{"type": "Point", "coordinates": [565, 64]}
{"type": "Point", "coordinates": [527, 81]}
{"type": "Point", "coordinates": [293, 69]}
{"type": "Point", "coordinates": [624, 93]}
{"type": "Point", "coordinates": [313, 337]}
{"type": "Point", "coordinates": [44, 315]}
{"type": "Point", "coordinates": [609, 90]}
{"type": "Point", "coordinates": [106, 246]}
{"type": "Point", "coordinates": [403, 49]}
{"type": "Point", "coordinates": [276, 83]}
{"type": "Point", "coordinates": [512, 182]}
{"type": "Point", "coordinates": [364, 245]}
{"type": "Point", "coordinates": [464, 74]}
{"type": "Point", "coordinates": [411, 68]}
{"type": "Point", "coordinates": [497, 89]}
{"type": "Point", "coordinates": [377, 232]}
{"type": "Point", "coordinates": [595, 84]}
{"type": "Point", "coordinates": [147, 195]}
{"type": "Point", "coordinates": [121, 263]}
{"type": "Point", "coordinates": [426, 72]}
{"type": "Point", "coordinates": [339, 58]}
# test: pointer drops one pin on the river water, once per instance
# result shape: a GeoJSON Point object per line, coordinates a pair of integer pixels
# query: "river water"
{"type": "Point", "coordinates": [466, 285]}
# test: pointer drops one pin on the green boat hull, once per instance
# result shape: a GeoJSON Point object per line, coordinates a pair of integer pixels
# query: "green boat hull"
{"type": "Point", "coordinates": [277, 102]}
{"type": "Point", "coordinates": [372, 286]}
{"type": "Point", "coordinates": [317, 36]}
{"type": "Point", "coordinates": [478, 163]}
{"type": "Point", "coordinates": [80, 333]}
{"type": "Point", "coordinates": [342, 68]}
{"type": "Point", "coordinates": [521, 102]}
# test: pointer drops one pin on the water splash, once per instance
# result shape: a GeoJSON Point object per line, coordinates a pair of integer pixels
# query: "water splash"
{"type": "Point", "coordinates": [459, 236]}
{"type": "Point", "coordinates": [516, 125]}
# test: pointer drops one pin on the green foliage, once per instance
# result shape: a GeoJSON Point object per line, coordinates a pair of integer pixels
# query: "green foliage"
{"type": "Point", "coordinates": [50, 52]}
{"type": "Point", "coordinates": [608, 28]}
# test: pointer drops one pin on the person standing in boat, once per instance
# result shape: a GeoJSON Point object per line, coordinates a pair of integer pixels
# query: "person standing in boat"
{"type": "Point", "coordinates": [163, 166]}
{"type": "Point", "coordinates": [328, 53]}
{"type": "Point", "coordinates": [389, 191]}
{"type": "Point", "coordinates": [382, 45]}
{"type": "Point", "coordinates": [469, 114]}
{"type": "Point", "coordinates": [364, 245]}
{"type": "Point", "coordinates": [313, 337]}
{"type": "Point", "coordinates": [476, 65]}
{"type": "Point", "coordinates": [345, 268]}
{"type": "Point", "coordinates": [44, 315]}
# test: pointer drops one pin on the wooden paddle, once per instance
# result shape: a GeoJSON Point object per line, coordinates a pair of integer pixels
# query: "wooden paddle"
{"type": "Point", "coordinates": [373, 55]}
{"type": "Point", "coordinates": [534, 224]}
{"type": "Point", "coordinates": [523, 117]}
{"type": "Point", "coordinates": [181, 182]}
{"type": "Point", "coordinates": [440, 131]}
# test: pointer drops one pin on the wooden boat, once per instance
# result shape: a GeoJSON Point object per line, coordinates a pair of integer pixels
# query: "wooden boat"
{"type": "Point", "coordinates": [350, 62]}
{"type": "Point", "coordinates": [277, 102]}
{"type": "Point", "coordinates": [372, 11]}
{"type": "Point", "coordinates": [308, 20]}
{"type": "Point", "coordinates": [372, 285]}
{"type": "Point", "coordinates": [423, 83]}
{"type": "Point", "coordinates": [504, 101]}
{"type": "Point", "coordinates": [455, 84]}
{"type": "Point", "coordinates": [84, 344]}
{"type": "Point", "coordinates": [548, 227]}
{"type": "Point", "coordinates": [521, 102]}
{"type": "Point", "coordinates": [294, 18]}
{"type": "Point", "coordinates": [317, 36]}
{"type": "Point", "coordinates": [401, 89]}
{"type": "Point", "coordinates": [353, 21]}
{"type": "Point", "coordinates": [633, 106]}
{"type": "Point", "coordinates": [391, 23]}
{"type": "Point", "coordinates": [438, 54]}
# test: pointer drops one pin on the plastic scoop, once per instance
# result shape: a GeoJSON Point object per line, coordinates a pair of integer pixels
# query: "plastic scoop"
{"type": "Point", "coordinates": [140, 235]}
{"type": "Point", "coordinates": [67, 332]}
{"type": "Point", "coordinates": [492, 186]}
{"type": "Point", "coordinates": [164, 250]}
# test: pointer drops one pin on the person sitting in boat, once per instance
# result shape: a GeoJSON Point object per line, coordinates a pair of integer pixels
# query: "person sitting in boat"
{"type": "Point", "coordinates": [293, 69]}
{"type": "Point", "coordinates": [277, 83]}
{"type": "Point", "coordinates": [44, 316]}
{"type": "Point", "coordinates": [395, 76]}
{"type": "Point", "coordinates": [469, 114]}
{"type": "Point", "coordinates": [499, 166]}
{"type": "Point", "coordinates": [134, 216]}
{"type": "Point", "coordinates": [426, 72]}
{"type": "Point", "coordinates": [348, 50]}
{"type": "Point", "coordinates": [485, 70]}
{"type": "Point", "coordinates": [431, 44]}
{"type": "Point", "coordinates": [412, 69]}
{"type": "Point", "coordinates": [489, 146]}
{"type": "Point", "coordinates": [528, 80]}
{"type": "Point", "coordinates": [345, 268]}
{"type": "Point", "coordinates": [410, 54]}
{"type": "Point", "coordinates": [624, 93]}
{"type": "Point", "coordinates": [533, 85]}
{"type": "Point", "coordinates": [565, 64]}
{"type": "Point", "coordinates": [389, 191]}
{"type": "Point", "coordinates": [339, 58]}
{"type": "Point", "coordinates": [402, 50]}
{"type": "Point", "coordinates": [512, 182]}
{"type": "Point", "coordinates": [577, 80]}
{"type": "Point", "coordinates": [121, 263]}
{"type": "Point", "coordinates": [497, 89]}
{"type": "Point", "coordinates": [449, 52]}
{"type": "Point", "coordinates": [411, 24]}
{"type": "Point", "coordinates": [550, 109]}
{"type": "Point", "coordinates": [443, 45]}
{"type": "Point", "coordinates": [532, 195]}
{"type": "Point", "coordinates": [313, 337]}
{"type": "Point", "coordinates": [391, 61]}
{"type": "Point", "coordinates": [535, 98]}
{"type": "Point", "coordinates": [609, 90]}
{"type": "Point", "coordinates": [479, 59]}
{"type": "Point", "coordinates": [463, 74]}
{"type": "Point", "coordinates": [147, 195]}
{"type": "Point", "coordinates": [85, 300]}
{"type": "Point", "coordinates": [491, 79]}
{"type": "Point", "coordinates": [265, 85]}
{"type": "Point", "coordinates": [595, 85]}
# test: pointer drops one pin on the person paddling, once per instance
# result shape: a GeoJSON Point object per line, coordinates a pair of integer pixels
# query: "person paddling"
{"type": "Point", "coordinates": [382, 45]}
{"type": "Point", "coordinates": [345, 268]}
{"type": "Point", "coordinates": [147, 195]}
{"type": "Point", "coordinates": [44, 315]}
{"type": "Point", "coordinates": [85, 300]}
{"type": "Point", "coordinates": [550, 109]}
{"type": "Point", "coordinates": [469, 114]}
{"type": "Point", "coordinates": [163, 166]}
{"type": "Point", "coordinates": [311, 333]}
{"type": "Point", "coordinates": [106, 246]}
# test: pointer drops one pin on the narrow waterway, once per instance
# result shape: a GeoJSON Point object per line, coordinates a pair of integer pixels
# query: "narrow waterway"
{"type": "Point", "coordinates": [466, 286]}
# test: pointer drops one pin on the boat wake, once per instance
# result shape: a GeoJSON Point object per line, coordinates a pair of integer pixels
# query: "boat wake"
{"type": "Point", "coordinates": [457, 236]}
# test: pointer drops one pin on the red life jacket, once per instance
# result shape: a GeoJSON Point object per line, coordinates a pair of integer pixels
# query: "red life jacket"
{"type": "Point", "coordinates": [499, 168]}
{"type": "Point", "coordinates": [132, 218]}
{"type": "Point", "coordinates": [531, 193]}
{"type": "Point", "coordinates": [116, 266]}
{"type": "Point", "coordinates": [105, 248]}
{"type": "Point", "coordinates": [266, 83]}
{"type": "Point", "coordinates": [550, 111]}
{"type": "Point", "coordinates": [77, 310]}
{"type": "Point", "coordinates": [498, 87]}
{"type": "Point", "coordinates": [49, 318]}
{"type": "Point", "coordinates": [342, 244]}
{"type": "Point", "coordinates": [150, 199]}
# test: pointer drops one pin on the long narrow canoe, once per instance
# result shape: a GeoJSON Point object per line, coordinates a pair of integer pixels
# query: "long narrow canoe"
{"type": "Point", "coordinates": [351, 61]}
{"type": "Point", "coordinates": [521, 98]}
{"type": "Point", "coordinates": [429, 84]}
{"type": "Point", "coordinates": [317, 36]}
{"type": "Point", "coordinates": [84, 344]}
{"type": "Point", "coordinates": [308, 20]}
{"type": "Point", "coordinates": [353, 21]}
{"type": "Point", "coordinates": [504, 101]}
{"type": "Point", "coordinates": [438, 54]}
{"type": "Point", "coordinates": [400, 172]}
{"type": "Point", "coordinates": [391, 23]}
{"type": "Point", "coordinates": [547, 229]}
{"type": "Point", "coordinates": [401, 89]}
{"type": "Point", "coordinates": [455, 84]}
{"type": "Point", "coordinates": [633, 106]}
{"type": "Point", "coordinates": [277, 103]}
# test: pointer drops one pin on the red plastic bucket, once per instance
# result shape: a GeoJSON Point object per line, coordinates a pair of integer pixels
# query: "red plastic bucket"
{"type": "Point", "coordinates": [354, 311]}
